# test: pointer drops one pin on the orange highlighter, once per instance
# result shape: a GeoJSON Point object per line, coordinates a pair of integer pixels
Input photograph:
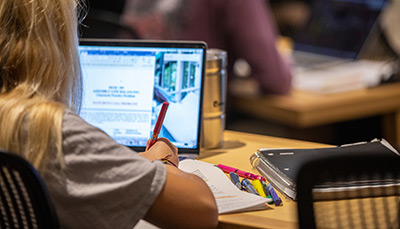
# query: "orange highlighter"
{"type": "Point", "coordinates": [159, 123]}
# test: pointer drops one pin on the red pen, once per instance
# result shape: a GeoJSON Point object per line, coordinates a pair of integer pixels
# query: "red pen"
{"type": "Point", "coordinates": [158, 125]}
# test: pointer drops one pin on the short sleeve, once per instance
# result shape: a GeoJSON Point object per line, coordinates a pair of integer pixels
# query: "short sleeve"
{"type": "Point", "coordinates": [103, 184]}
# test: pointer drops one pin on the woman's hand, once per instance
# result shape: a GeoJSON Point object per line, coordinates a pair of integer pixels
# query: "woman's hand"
{"type": "Point", "coordinates": [162, 149]}
{"type": "Point", "coordinates": [190, 189]}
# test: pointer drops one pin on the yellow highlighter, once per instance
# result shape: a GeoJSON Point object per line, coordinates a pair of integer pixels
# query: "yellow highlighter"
{"type": "Point", "coordinates": [259, 188]}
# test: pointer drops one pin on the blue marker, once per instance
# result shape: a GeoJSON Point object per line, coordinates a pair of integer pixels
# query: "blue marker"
{"type": "Point", "coordinates": [235, 180]}
{"type": "Point", "coordinates": [248, 186]}
{"type": "Point", "coordinates": [274, 196]}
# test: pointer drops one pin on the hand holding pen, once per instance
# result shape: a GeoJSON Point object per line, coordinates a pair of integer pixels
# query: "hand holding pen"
{"type": "Point", "coordinates": [163, 150]}
{"type": "Point", "coordinates": [157, 127]}
{"type": "Point", "coordinates": [159, 151]}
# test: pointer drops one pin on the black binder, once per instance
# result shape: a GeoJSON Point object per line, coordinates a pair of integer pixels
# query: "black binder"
{"type": "Point", "coordinates": [280, 166]}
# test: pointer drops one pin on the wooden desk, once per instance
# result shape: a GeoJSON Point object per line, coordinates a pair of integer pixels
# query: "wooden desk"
{"type": "Point", "coordinates": [303, 109]}
{"type": "Point", "coordinates": [236, 152]}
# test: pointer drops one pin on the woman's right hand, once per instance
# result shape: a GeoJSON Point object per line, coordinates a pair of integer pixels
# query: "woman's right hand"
{"type": "Point", "coordinates": [162, 149]}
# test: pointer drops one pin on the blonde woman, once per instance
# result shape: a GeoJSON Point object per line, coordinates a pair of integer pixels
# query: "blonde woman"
{"type": "Point", "coordinates": [93, 181]}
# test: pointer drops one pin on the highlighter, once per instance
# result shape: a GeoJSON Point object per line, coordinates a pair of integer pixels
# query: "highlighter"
{"type": "Point", "coordinates": [235, 180]}
{"type": "Point", "coordinates": [265, 188]}
{"type": "Point", "coordinates": [258, 187]}
{"type": "Point", "coordinates": [241, 173]}
{"type": "Point", "coordinates": [272, 193]}
{"type": "Point", "coordinates": [274, 196]}
{"type": "Point", "coordinates": [249, 187]}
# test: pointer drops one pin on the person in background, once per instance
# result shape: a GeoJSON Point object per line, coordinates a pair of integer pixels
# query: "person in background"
{"type": "Point", "coordinates": [245, 29]}
{"type": "Point", "coordinates": [291, 15]}
{"type": "Point", "coordinates": [93, 181]}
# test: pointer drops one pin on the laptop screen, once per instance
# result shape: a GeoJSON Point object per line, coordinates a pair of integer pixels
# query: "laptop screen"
{"type": "Point", "coordinates": [126, 82]}
{"type": "Point", "coordinates": [338, 28]}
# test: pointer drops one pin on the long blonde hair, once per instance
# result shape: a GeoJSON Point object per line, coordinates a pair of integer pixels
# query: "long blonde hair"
{"type": "Point", "coordinates": [39, 75]}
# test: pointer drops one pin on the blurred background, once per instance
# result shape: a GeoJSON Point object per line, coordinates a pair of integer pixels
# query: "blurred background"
{"type": "Point", "coordinates": [105, 20]}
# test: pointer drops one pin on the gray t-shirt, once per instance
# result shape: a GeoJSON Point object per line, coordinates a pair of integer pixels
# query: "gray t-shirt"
{"type": "Point", "coordinates": [104, 184]}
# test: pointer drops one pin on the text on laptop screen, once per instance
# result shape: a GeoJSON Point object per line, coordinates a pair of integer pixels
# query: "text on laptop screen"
{"type": "Point", "coordinates": [124, 88]}
{"type": "Point", "coordinates": [339, 28]}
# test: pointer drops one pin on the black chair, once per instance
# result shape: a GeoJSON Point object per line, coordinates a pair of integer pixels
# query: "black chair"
{"type": "Point", "coordinates": [364, 192]}
{"type": "Point", "coordinates": [24, 200]}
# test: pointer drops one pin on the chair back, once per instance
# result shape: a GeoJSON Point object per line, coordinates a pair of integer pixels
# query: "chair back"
{"type": "Point", "coordinates": [349, 192]}
{"type": "Point", "coordinates": [24, 200]}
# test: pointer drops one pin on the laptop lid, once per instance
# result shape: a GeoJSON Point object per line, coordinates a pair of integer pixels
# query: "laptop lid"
{"type": "Point", "coordinates": [126, 81]}
{"type": "Point", "coordinates": [338, 28]}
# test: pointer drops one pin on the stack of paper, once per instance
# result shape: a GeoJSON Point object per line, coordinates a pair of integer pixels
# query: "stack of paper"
{"type": "Point", "coordinates": [342, 77]}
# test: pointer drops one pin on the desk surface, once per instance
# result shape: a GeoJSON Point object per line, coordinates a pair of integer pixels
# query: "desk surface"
{"type": "Point", "coordinates": [306, 109]}
{"type": "Point", "coordinates": [236, 152]}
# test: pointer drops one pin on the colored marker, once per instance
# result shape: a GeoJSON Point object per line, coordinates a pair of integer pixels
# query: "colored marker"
{"type": "Point", "coordinates": [274, 196]}
{"type": "Point", "coordinates": [265, 187]}
{"type": "Point", "coordinates": [258, 187]}
{"type": "Point", "coordinates": [269, 197]}
{"type": "Point", "coordinates": [235, 180]}
{"type": "Point", "coordinates": [241, 173]}
{"type": "Point", "coordinates": [248, 186]}
{"type": "Point", "coordinates": [159, 123]}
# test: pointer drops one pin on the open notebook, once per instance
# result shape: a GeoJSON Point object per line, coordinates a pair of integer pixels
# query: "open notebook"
{"type": "Point", "coordinates": [126, 81]}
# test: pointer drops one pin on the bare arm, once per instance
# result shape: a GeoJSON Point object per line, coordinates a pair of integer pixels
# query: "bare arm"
{"type": "Point", "coordinates": [185, 200]}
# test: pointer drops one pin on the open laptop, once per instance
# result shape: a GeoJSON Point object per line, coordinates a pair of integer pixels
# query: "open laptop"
{"type": "Point", "coordinates": [326, 48]}
{"type": "Point", "coordinates": [336, 32]}
{"type": "Point", "coordinates": [126, 81]}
